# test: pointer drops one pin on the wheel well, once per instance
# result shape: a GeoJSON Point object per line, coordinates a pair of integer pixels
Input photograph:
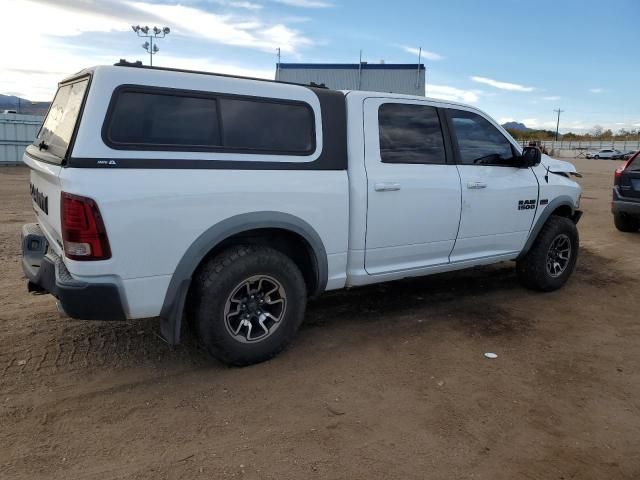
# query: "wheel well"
{"type": "Point", "coordinates": [285, 241]}
{"type": "Point", "coordinates": [563, 211]}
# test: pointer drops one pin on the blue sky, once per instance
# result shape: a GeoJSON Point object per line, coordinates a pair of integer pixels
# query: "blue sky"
{"type": "Point", "coordinates": [517, 60]}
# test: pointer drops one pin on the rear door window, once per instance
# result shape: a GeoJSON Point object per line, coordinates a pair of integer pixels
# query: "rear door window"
{"type": "Point", "coordinates": [410, 133]}
{"type": "Point", "coordinates": [61, 120]}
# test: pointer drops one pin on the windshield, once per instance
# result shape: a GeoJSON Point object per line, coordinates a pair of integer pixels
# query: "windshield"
{"type": "Point", "coordinates": [58, 127]}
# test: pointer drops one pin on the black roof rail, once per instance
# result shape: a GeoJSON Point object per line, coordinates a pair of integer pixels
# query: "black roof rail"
{"type": "Point", "coordinates": [138, 64]}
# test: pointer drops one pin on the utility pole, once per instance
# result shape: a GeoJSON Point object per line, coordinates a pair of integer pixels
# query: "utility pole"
{"type": "Point", "coordinates": [558, 111]}
{"type": "Point", "coordinates": [156, 34]}
{"type": "Point", "coordinates": [278, 65]}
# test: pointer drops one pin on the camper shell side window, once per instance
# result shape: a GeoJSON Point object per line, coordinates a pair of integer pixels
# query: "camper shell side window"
{"type": "Point", "coordinates": [167, 119]}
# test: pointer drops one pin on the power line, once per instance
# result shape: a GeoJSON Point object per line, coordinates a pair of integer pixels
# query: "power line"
{"type": "Point", "coordinates": [558, 111]}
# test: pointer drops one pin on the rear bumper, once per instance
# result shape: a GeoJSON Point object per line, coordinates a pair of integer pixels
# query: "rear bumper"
{"type": "Point", "coordinates": [47, 273]}
{"type": "Point", "coordinates": [625, 205]}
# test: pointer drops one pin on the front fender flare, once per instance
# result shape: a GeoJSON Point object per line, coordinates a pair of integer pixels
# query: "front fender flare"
{"type": "Point", "coordinates": [551, 207]}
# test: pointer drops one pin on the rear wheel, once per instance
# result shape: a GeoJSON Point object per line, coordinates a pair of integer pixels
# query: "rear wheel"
{"type": "Point", "coordinates": [625, 223]}
{"type": "Point", "coordinates": [248, 304]}
{"type": "Point", "coordinates": [552, 257]}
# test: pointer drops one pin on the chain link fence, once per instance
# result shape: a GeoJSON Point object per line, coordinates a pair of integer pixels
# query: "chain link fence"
{"type": "Point", "coordinates": [580, 148]}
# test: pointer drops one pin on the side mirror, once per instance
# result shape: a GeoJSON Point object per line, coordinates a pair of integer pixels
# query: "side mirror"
{"type": "Point", "coordinates": [531, 156]}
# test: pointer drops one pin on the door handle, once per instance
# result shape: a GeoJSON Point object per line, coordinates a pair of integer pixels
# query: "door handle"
{"type": "Point", "coordinates": [386, 187]}
{"type": "Point", "coordinates": [476, 185]}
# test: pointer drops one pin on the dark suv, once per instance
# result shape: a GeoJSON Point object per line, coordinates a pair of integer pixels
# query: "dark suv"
{"type": "Point", "coordinates": [626, 195]}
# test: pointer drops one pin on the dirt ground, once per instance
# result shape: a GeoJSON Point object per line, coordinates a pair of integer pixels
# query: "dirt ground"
{"type": "Point", "coordinates": [382, 382]}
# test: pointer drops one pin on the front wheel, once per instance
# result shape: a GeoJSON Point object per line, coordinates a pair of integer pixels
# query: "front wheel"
{"type": "Point", "coordinates": [552, 257]}
{"type": "Point", "coordinates": [597, 157]}
{"type": "Point", "coordinates": [248, 303]}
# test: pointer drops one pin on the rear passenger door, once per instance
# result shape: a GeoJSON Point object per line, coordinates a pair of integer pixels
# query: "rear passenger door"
{"type": "Point", "coordinates": [413, 194]}
{"type": "Point", "coordinates": [499, 199]}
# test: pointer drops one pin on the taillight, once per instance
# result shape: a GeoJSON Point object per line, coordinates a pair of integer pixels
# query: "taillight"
{"type": "Point", "coordinates": [83, 232]}
{"type": "Point", "coordinates": [619, 170]}
{"type": "Point", "coordinates": [617, 175]}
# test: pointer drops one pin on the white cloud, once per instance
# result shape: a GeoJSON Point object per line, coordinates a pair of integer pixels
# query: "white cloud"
{"type": "Point", "coordinates": [552, 97]}
{"type": "Point", "coordinates": [226, 29]}
{"type": "Point", "coordinates": [513, 87]}
{"type": "Point", "coordinates": [51, 42]}
{"type": "Point", "coordinates": [247, 5]}
{"type": "Point", "coordinates": [502, 120]}
{"type": "Point", "coordinates": [596, 90]}
{"type": "Point", "coordinates": [205, 65]}
{"type": "Point", "coordinates": [452, 94]}
{"type": "Point", "coordinates": [305, 3]}
{"type": "Point", "coordinates": [64, 18]}
{"type": "Point", "coordinates": [425, 53]}
{"type": "Point", "coordinates": [236, 4]}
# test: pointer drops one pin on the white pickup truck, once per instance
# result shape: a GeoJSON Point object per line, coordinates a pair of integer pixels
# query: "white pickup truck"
{"type": "Point", "coordinates": [224, 202]}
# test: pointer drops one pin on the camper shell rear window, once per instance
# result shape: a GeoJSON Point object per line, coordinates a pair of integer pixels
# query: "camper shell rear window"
{"type": "Point", "coordinates": [166, 119]}
{"type": "Point", "coordinates": [55, 136]}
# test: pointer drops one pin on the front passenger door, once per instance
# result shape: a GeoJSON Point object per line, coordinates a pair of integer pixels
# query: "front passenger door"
{"type": "Point", "coordinates": [499, 199]}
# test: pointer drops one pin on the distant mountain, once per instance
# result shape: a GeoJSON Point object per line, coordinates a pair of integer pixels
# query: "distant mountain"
{"type": "Point", "coordinates": [516, 126]}
{"type": "Point", "coordinates": [22, 105]}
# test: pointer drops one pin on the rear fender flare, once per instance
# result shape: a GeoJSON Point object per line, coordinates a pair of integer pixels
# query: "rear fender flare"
{"type": "Point", "coordinates": [174, 302]}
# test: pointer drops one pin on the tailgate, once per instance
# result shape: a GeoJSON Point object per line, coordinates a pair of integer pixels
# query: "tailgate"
{"type": "Point", "coordinates": [630, 183]}
{"type": "Point", "coordinates": [630, 178]}
{"type": "Point", "coordinates": [45, 198]}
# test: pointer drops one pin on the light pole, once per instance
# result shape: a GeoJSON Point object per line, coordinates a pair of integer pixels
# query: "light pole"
{"type": "Point", "coordinates": [151, 34]}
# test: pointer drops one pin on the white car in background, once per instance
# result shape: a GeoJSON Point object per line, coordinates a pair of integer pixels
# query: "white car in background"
{"type": "Point", "coordinates": [606, 153]}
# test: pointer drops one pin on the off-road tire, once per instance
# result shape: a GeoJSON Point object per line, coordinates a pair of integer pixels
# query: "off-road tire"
{"type": "Point", "coordinates": [214, 283]}
{"type": "Point", "coordinates": [626, 223]}
{"type": "Point", "coordinates": [532, 268]}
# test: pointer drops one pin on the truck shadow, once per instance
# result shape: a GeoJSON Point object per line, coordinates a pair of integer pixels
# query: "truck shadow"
{"type": "Point", "coordinates": [460, 295]}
